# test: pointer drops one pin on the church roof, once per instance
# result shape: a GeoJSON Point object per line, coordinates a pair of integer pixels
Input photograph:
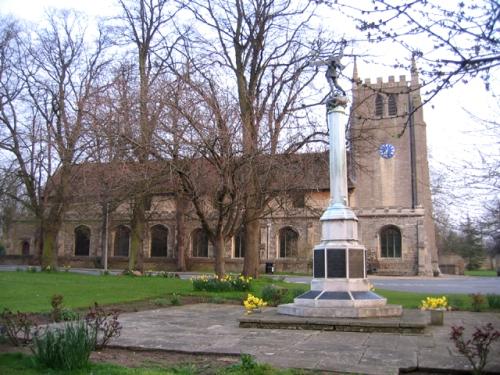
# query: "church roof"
{"type": "Point", "coordinates": [294, 172]}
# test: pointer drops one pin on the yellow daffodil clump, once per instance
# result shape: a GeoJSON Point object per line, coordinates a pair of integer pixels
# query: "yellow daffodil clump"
{"type": "Point", "coordinates": [434, 303]}
{"type": "Point", "coordinates": [222, 284]}
{"type": "Point", "coordinates": [252, 303]}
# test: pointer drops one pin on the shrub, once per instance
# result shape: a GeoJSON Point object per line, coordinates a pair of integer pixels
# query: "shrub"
{"type": "Point", "coordinates": [477, 348]}
{"type": "Point", "coordinates": [222, 284]}
{"type": "Point", "coordinates": [248, 362]}
{"type": "Point", "coordinates": [273, 294]}
{"type": "Point", "coordinates": [493, 301]}
{"type": "Point", "coordinates": [19, 327]}
{"type": "Point", "coordinates": [68, 348]}
{"type": "Point", "coordinates": [57, 305]}
{"type": "Point", "coordinates": [104, 325]}
{"type": "Point", "coordinates": [477, 301]}
{"type": "Point", "coordinates": [68, 315]}
{"type": "Point", "coordinates": [248, 365]}
{"type": "Point", "coordinates": [175, 300]}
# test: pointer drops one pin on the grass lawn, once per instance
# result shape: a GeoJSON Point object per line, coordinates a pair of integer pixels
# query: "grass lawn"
{"type": "Point", "coordinates": [31, 292]}
{"type": "Point", "coordinates": [488, 273]}
{"type": "Point", "coordinates": [412, 300]}
{"type": "Point", "coordinates": [20, 364]}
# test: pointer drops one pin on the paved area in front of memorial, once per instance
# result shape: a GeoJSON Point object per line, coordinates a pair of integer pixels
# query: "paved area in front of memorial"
{"type": "Point", "coordinates": [211, 328]}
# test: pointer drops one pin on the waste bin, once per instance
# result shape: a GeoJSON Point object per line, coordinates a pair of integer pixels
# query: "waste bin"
{"type": "Point", "coordinates": [269, 267]}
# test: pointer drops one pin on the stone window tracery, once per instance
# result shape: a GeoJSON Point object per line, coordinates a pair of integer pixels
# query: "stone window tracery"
{"type": "Point", "coordinates": [288, 243]}
{"type": "Point", "coordinates": [82, 241]}
{"type": "Point", "coordinates": [390, 242]}
{"type": "Point", "coordinates": [159, 241]}
{"type": "Point", "coordinates": [239, 244]}
{"type": "Point", "coordinates": [379, 105]}
{"type": "Point", "coordinates": [393, 105]}
{"type": "Point", "coordinates": [122, 241]}
{"type": "Point", "coordinates": [199, 243]}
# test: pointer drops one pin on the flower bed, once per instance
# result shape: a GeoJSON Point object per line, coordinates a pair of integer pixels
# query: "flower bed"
{"type": "Point", "coordinates": [227, 283]}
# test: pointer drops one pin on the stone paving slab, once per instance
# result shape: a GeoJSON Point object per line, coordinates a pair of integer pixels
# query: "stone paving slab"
{"type": "Point", "coordinates": [411, 321]}
{"type": "Point", "coordinates": [209, 328]}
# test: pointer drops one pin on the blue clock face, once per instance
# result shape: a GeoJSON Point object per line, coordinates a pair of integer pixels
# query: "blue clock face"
{"type": "Point", "coordinates": [387, 150]}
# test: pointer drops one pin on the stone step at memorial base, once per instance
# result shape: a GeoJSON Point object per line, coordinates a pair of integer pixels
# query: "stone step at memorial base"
{"type": "Point", "coordinates": [409, 322]}
{"type": "Point", "coordinates": [302, 311]}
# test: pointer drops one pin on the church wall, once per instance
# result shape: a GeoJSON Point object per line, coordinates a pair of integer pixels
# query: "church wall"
{"type": "Point", "coordinates": [409, 222]}
{"type": "Point", "coordinates": [21, 233]}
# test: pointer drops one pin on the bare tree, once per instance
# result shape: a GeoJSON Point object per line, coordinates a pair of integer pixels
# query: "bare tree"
{"type": "Point", "coordinates": [262, 50]}
{"type": "Point", "coordinates": [47, 92]}
{"type": "Point", "coordinates": [454, 41]}
{"type": "Point", "coordinates": [146, 27]}
{"type": "Point", "coordinates": [203, 118]}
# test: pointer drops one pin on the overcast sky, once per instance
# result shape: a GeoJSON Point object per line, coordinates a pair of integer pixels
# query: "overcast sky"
{"type": "Point", "coordinates": [454, 139]}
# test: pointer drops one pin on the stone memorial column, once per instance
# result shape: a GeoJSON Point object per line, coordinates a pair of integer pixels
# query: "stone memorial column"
{"type": "Point", "coordinates": [339, 287]}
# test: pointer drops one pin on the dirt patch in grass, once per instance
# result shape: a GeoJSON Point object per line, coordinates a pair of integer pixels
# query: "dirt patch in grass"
{"type": "Point", "coordinates": [207, 364]}
{"type": "Point", "coordinates": [135, 306]}
{"type": "Point", "coordinates": [153, 304]}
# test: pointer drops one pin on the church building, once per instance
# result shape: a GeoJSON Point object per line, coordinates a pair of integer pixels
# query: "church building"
{"type": "Point", "coordinates": [388, 190]}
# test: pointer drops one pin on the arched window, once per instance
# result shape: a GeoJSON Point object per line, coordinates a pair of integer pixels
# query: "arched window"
{"type": "Point", "coordinates": [122, 241]}
{"type": "Point", "coordinates": [25, 248]}
{"type": "Point", "coordinates": [159, 240]}
{"type": "Point", "coordinates": [82, 241]}
{"type": "Point", "coordinates": [379, 105]}
{"type": "Point", "coordinates": [288, 239]}
{"type": "Point", "coordinates": [390, 242]}
{"type": "Point", "coordinates": [393, 105]}
{"type": "Point", "coordinates": [199, 243]}
{"type": "Point", "coordinates": [239, 244]}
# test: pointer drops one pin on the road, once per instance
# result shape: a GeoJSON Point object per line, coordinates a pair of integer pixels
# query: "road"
{"type": "Point", "coordinates": [435, 285]}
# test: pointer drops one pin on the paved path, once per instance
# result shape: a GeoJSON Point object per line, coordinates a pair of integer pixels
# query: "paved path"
{"type": "Point", "coordinates": [208, 328]}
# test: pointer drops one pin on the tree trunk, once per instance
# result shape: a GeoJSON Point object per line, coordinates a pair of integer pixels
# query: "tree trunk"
{"type": "Point", "coordinates": [219, 255]}
{"type": "Point", "coordinates": [50, 229]}
{"type": "Point", "coordinates": [104, 237]}
{"type": "Point", "coordinates": [135, 256]}
{"type": "Point", "coordinates": [252, 242]}
{"type": "Point", "coordinates": [180, 213]}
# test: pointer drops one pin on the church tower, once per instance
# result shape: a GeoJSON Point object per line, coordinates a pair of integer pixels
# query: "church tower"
{"type": "Point", "coordinates": [390, 170]}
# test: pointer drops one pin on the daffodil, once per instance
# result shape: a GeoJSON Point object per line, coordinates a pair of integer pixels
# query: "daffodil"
{"type": "Point", "coordinates": [434, 303]}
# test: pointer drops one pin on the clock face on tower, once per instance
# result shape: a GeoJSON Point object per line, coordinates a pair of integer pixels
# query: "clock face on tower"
{"type": "Point", "coordinates": [386, 150]}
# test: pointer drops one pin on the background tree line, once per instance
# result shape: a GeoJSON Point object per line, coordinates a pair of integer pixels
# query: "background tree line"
{"type": "Point", "coordinates": [161, 85]}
